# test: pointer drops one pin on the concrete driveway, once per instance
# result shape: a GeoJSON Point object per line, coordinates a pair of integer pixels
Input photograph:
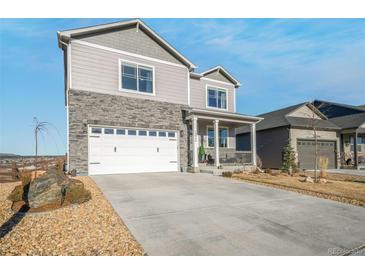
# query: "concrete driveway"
{"type": "Point", "coordinates": [201, 214]}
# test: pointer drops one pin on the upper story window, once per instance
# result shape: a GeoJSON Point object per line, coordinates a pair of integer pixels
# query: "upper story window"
{"type": "Point", "coordinates": [137, 77]}
{"type": "Point", "coordinates": [216, 97]}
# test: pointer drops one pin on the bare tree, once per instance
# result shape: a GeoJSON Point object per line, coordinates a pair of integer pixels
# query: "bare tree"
{"type": "Point", "coordinates": [313, 125]}
{"type": "Point", "coordinates": [39, 127]}
{"type": "Point", "coordinates": [314, 128]}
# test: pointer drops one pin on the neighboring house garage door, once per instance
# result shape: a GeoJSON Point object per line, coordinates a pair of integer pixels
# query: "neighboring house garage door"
{"type": "Point", "coordinates": [306, 153]}
{"type": "Point", "coordinates": [120, 150]}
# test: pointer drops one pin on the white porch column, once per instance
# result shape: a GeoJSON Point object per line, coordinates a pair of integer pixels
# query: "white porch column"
{"type": "Point", "coordinates": [253, 143]}
{"type": "Point", "coordinates": [195, 141]}
{"type": "Point", "coordinates": [216, 142]}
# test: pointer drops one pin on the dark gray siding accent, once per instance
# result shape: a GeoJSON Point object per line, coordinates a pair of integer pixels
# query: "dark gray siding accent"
{"type": "Point", "coordinates": [87, 108]}
{"type": "Point", "coordinates": [131, 40]}
{"type": "Point", "coordinates": [215, 75]}
{"type": "Point", "coordinates": [269, 145]}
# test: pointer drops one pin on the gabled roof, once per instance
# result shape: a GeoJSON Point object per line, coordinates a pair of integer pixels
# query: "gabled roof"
{"type": "Point", "coordinates": [219, 69]}
{"type": "Point", "coordinates": [66, 35]}
{"type": "Point", "coordinates": [349, 121]}
{"type": "Point", "coordinates": [281, 118]}
{"type": "Point", "coordinates": [224, 72]}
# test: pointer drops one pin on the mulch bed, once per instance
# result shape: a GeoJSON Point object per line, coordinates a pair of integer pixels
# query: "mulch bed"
{"type": "Point", "coordinates": [341, 191]}
{"type": "Point", "coordinates": [91, 228]}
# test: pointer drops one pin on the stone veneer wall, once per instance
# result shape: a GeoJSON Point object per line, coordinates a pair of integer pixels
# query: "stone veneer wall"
{"type": "Point", "coordinates": [100, 109]}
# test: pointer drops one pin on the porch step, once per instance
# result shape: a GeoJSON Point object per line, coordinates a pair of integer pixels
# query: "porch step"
{"type": "Point", "coordinates": [218, 171]}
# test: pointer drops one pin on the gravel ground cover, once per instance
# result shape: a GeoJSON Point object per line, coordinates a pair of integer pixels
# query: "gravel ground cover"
{"type": "Point", "coordinates": [337, 190]}
{"type": "Point", "coordinates": [92, 228]}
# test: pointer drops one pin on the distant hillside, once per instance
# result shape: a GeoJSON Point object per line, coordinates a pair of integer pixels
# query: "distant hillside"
{"type": "Point", "coordinates": [362, 106]}
{"type": "Point", "coordinates": [8, 155]}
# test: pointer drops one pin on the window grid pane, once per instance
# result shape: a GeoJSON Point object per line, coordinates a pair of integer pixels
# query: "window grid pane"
{"type": "Point", "coordinates": [210, 137]}
{"type": "Point", "coordinates": [137, 77]}
{"type": "Point", "coordinates": [217, 98]}
{"type": "Point", "coordinates": [212, 98]}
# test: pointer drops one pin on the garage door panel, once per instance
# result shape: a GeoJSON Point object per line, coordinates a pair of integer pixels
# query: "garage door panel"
{"type": "Point", "coordinates": [306, 153]}
{"type": "Point", "coordinates": [113, 154]}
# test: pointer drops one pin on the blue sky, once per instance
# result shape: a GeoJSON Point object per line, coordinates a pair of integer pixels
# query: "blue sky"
{"type": "Point", "coordinates": [279, 62]}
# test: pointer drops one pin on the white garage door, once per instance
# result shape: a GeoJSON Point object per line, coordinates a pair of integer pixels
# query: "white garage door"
{"type": "Point", "coordinates": [121, 150]}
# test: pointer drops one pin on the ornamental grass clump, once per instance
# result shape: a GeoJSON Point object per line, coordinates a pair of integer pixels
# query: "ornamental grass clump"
{"type": "Point", "coordinates": [323, 165]}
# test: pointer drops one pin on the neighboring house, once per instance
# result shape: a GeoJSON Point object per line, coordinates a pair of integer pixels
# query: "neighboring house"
{"type": "Point", "coordinates": [135, 104]}
{"type": "Point", "coordinates": [340, 131]}
{"type": "Point", "coordinates": [351, 120]}
{"type": "Point", "coordinates": [294, 124]}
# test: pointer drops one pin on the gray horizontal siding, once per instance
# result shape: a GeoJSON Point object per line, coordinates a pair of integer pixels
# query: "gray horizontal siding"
{"type": "Point", "coordinates": [133, 41]}
{"type": "Point", "coordinates": [97, 70]}
{"type": "Point", "coordinates": [215, 75]}
{"type": "Point", "coordinates": [198, 95]}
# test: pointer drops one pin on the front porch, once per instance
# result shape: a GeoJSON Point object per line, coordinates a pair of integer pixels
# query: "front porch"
{"type": "Point", "coordinates": [353, 149]}
{"type": "Point", "coordinates": [212, 139]}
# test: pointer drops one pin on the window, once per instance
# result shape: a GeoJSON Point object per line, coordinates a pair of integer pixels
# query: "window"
{"type": "Point", "coordinates": [162, 134]}
{"type": "Point", "coordinates": [137, 77]}
{"type": "Point", "coordinates": [152, 133]}
{"type": "Point", "coordinates": [132, 132]}
{"type": "Point", "coordinates": [120, 131]}
{"type": "Point", "coordinates": [142, 133]}
{"type": "Point", "coordinates": [216, 98]}
{"type": "Point", "coordinates": [96, 130]}
{"type": "Point", "coordinates": [223, 137]}
{"type": "Point", "coordinates": [210, 137]}
{"type": "Point", "coordinates": [171, 134]}
{"type": "Point", "coordinates": [108, 131]}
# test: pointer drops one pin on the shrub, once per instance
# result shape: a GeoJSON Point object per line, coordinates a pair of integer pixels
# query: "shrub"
{"type": "Point", "coordinates": [227, 174]}
{"type": "Point", "coordinates": [289, 158]}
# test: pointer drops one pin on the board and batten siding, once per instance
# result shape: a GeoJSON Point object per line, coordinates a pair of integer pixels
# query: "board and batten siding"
{"type": "Point", "coordinates": [97, 70]}
{"type": "Point", "coordinates": [198, 93]}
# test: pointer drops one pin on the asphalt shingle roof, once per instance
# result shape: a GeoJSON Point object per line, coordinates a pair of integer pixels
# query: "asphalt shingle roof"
{"type": "Point", "coordinates": [349, 121]}
{"type": "Point", "coordinates": [279, 118]}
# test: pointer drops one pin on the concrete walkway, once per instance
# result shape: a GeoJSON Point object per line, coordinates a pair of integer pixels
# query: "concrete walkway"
{"type": "Point", "coordinates": [201, 214]}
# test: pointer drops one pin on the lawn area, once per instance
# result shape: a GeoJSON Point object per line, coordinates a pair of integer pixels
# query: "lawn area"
{"type": "Point", "coordinates": [92, 228]}
{"type": "Point", "coordinates": [338, 190]}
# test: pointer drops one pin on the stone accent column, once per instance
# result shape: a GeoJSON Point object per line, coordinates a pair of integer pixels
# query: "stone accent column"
{"type": "Point", "coordinates": [253, 143]}
{"type": "Point", "coordinates": [195, 142]}
{"type": "Point", "coordinates": [216, 142]}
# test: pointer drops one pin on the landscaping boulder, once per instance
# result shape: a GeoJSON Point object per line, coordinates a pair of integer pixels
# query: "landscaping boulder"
{"type": "Point", "coordinates": [55, 189]}
{"type": "Point", "coordinates": [50, 191]}
{"type": "Point", "coordinates": [308, 180]}
{"type": "Point", "coordinates": [323, 180]}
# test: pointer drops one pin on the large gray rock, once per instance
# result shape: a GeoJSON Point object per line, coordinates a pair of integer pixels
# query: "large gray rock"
{"type": "Point", "coordinates": [54, 189]}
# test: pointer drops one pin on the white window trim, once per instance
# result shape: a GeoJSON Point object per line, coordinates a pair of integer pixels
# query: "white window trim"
{"type": "Point", "coordinates": [212, 127]}
{"type": "Point", "coordinates": [207, 99]}
{"type": "Point", "coordinates": [132, 90]}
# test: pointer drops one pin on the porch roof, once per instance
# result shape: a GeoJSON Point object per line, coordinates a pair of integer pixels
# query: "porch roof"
{"type": "Point", "coordinates": [220, 115]}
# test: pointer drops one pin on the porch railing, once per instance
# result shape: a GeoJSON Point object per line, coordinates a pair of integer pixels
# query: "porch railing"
{"type": "Point", "coordinates": [236, 158]}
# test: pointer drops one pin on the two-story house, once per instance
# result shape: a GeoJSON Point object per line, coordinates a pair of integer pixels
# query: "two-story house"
{"type": "Point", "coordinates": [135, 104]}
